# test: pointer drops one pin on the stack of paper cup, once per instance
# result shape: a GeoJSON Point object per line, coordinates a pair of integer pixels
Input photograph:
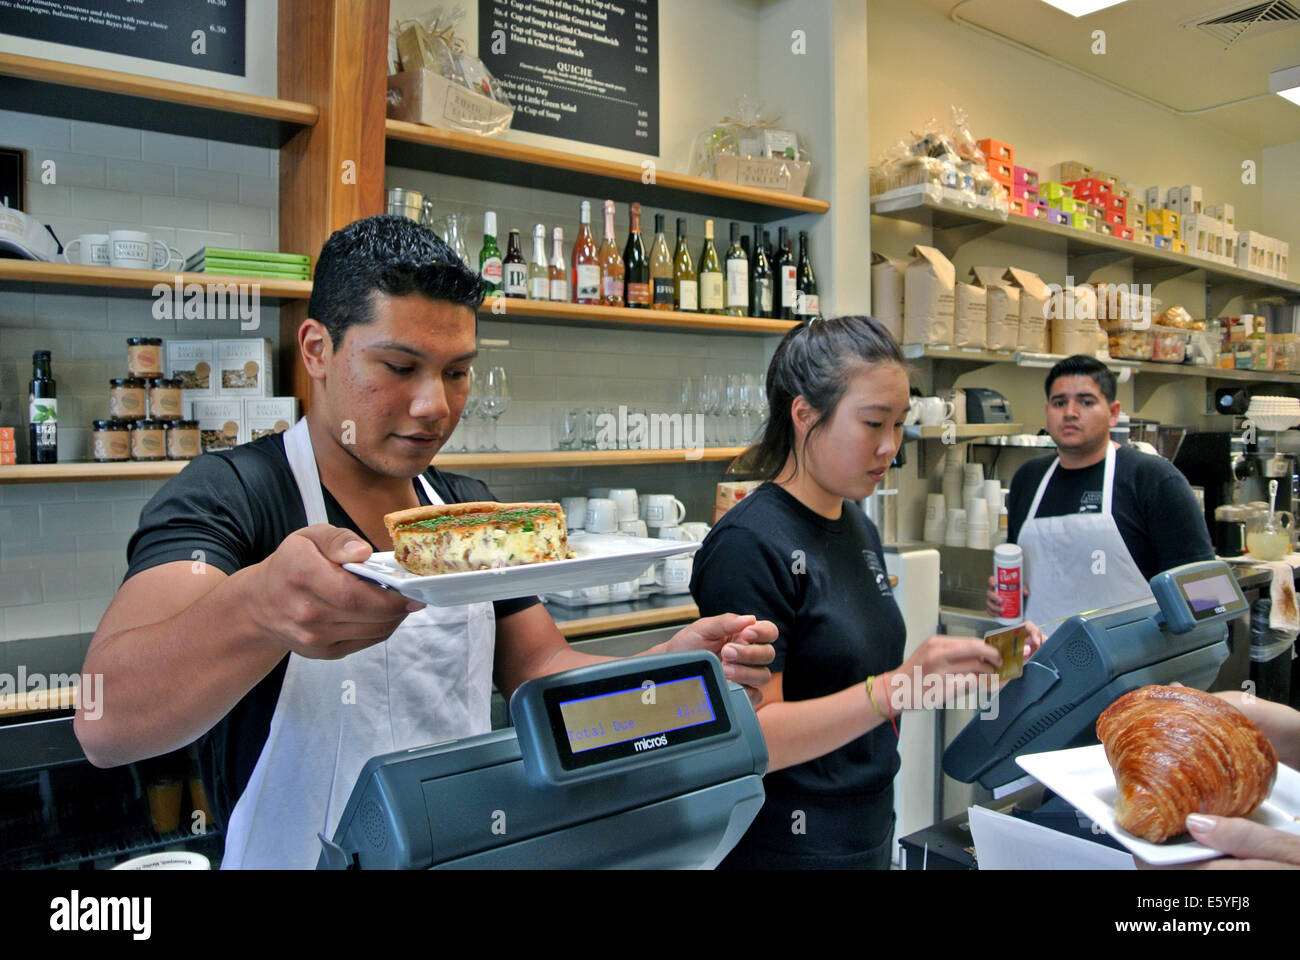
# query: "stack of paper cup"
{"type": "Point", "coordinates": [977, 523]}
{"type": "Point", "coordinates": [993, 494]}
{"type": "Point", "coordinates": [955, 533]}
{"type": "Point", "coordinates": [935, 519]}
{"type": "Point", "coordinates": [953, 474]}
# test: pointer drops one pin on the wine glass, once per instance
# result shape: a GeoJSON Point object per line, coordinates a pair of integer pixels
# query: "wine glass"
{"type": "Point", "coordinates": [716, 393]}
{"type": "Point", "coordinates": [496, 400]}
{"type": "Point", "coordinates": [758, 393]}
{"type": "Point", "coordinates": [745, 403]}
{"type": "Point", "coordinates": [734, 381]}
{"type": "Point", "coordinates": [467, 415]}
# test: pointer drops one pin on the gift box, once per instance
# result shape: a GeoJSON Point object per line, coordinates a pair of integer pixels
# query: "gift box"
{"type": "Point", "coordinates": [425, 96]}
{"type": "Point", "coordinates": [766, 173]}
{"type": "Point", "coordinates": [1039, 211]}
{"type": "Point", "coordinates": [997, 150]}
{"type": "Point", "coordinates": [1096, 210]}
{"type": "Point", "coordinates": [1162, 221]}
{"type": "Point", "coordinates": [1108, 178]}
{"type": "Point", "coordinates": [1115, 219]}
{"type": "Point", "coordinates": [1053, 190]}
{"type": "Point", "coordinates": [1073, 170]}
{"type": "Point", "coordinates": [1114, 203]}
{"type": "Point", "coordinates": [1162, 242]}
{"type": "Point", "coordinates": [1082, 221]}
{"type": "Point", "coordinates": [1027, 177]}
{"type": "Point", "coordinates": [1058, 217]}
{"type": "Point", "coordinates": [1124, 233]}
{"type": "Point", "coordinates": [1016, 205]}
{"type": "Point", "coordinates": [1189, 199]}
{"type": "Point", "coordinates": [1089, 187]}
{"type": "Point", "coordinates": [1027, 193]}
{"type": "Point", "coordinates": [1178, 246]}
{"type": "Point", "coordinates": [1223, 211]}
{"type": "Point", "coordinates": [1105, 228]}
{"type": "Point", "coordinates": [1154, 199]}
{"type": "Point", "coordinates": [1137, 209]}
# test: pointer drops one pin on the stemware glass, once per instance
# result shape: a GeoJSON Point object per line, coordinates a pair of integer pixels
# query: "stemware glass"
{"type": "Point", "coordinates": [496, 400]}
{"type": "Point", "coordinates": [745, 404]}
{"type": "Point", "coordinates": [465, 429]}
{"type": "Point", "coordinates": [758, 392]}
{"type": "Point", "coordinates": [716, 389]}
{"type": "Point", "coordinates": [733, 409]}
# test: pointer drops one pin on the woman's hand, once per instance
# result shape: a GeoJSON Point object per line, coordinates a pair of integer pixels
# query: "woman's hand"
{"type": "Point", "coordinates": [1035, 639]}
{"type": "Point", "coordinates": [939, 669]}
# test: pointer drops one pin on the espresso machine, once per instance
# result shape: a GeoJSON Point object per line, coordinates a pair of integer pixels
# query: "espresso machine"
{"type": "Point", "coordinates": [1232, 471]}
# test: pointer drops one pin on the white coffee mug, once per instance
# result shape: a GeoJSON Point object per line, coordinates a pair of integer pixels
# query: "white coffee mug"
{"type": "Point", "coordinates": [602, 515]}
{"type": "Point", "coordinates": [93, 250]}
{"type": "Point", "coordinates": [673, 533]}
{"type": "Point", "coordinates": [600, 493]}
{"type": "Point", "coordinates": [675, 574]}
{"type": "Point", "coordinates": [625, 497]}
{"type": "Point", "coordinates": [664, 510]}
{"type": "Point", "coordinates": [166, 257]}
{"type": "Point", "coordinates": [934, 410]}
{"type": "Point", "coordinates": [697, 529]}
{"type": "Point", "coordinates": [575, 512]}
{"type": "Point", "coordinates": [632, 528]}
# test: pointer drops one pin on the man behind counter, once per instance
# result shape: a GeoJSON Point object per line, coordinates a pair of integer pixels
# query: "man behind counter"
{"type": "Point", "coordinates": [236, 622]}
{"type": "Point", "coordinates": [1096, 520]}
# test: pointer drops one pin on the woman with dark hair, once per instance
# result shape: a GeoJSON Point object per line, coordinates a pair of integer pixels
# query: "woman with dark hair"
{"type": "Point", "coordinates": [799, 551]}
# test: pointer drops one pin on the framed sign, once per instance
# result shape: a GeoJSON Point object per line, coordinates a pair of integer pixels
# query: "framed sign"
{"type": "Point", "coordinates": [586, 70]}
{"type": "Point", "coordinates": [204, 34]}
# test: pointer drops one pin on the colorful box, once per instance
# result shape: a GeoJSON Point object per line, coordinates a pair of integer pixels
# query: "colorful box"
{"type": "Point", "coordinates": [1124, 233]}
{"type": "Point", "coordinates": [1066, 205]}
{"type": "Point", "coordinates": [1039, 211]}
{"type": "Point", "coordinates": [1162, 242]}
{"type": "Point", "coordinates": [244, 368]}
{"type": "Point", "coordinates": [1114, 203]}
{"type": "Point", "coordinates": [1137, 209]}
{"type": "Point", "coordinates": [1190, 199]}
{"type": "Point", "coordinates": [1025, 192]}
{"type": "Point", "coordinates": [1154, 199]}
{"type": "Point", "coordinates": [1162, 221]}
{"type": "Point", "coordinates": [1178, 246]}
{"type": "Point", "coordinates": [1058, 217]}
{"type": "Point", "coordinates": [1054, 191]}
{"type": "Point", "coordinates": [1096, 210]}
{"type": "Point", "coordinates": [1082, 221]}
{"type": "Point", "coordinates": [1105, 228]}
{"type": "Point", "coordinates": [1073, 170]}
{"type": "Point", "coordinates": [1016, 205]}
{"type": "Point", "coordinates": [1089, 187]}
{"type": "Point", "coordinates": [1109, 178]}
{"type": "Point", "coordinates": [997, 150]}
{"type": "Point", "coordinates": [1026, 176]}
{"type": "Point", "coordinates": [1115, 219]}
{"type": "Point", "coordinates": [1003, 171]}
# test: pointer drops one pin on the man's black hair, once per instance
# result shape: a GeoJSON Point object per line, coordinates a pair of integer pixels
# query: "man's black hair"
{"type": "Point", "coordinates": [391, 255]}
{"type": "Point", "coordinates": [1081, 365]}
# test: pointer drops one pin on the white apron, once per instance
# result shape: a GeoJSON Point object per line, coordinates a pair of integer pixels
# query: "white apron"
{"type": "Point", "coordinates": [1078, 562]}
{"type": "Point", "coordinates": [430, 681]}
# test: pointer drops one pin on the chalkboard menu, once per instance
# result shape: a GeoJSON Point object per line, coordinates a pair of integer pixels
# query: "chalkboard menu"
{"type": "Point", "coordinates": [204, 34]}
{"type": "Point", "coordinates": [586, 70]}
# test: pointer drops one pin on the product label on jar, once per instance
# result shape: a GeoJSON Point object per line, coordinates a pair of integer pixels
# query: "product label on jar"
{"type": "Point", "coordinates": [737, 283]}
{"type": "Point", "coordinates": [710, 291]}
{"type": "Point", "coordinates": [165, 404]}
{"type": "Point", "coordinates": [144, 360]}
{"type": "Point", "coordinates": [1008, 579]}
{"type": "Point", "coordinates": [588, 281]}
{"type": "Point", "coordinates": [146, 444]}
{"type": "Point", "coordinates": [110, 445]}
{"type": "Point", "coordinates": [688, 297]}
{"type": "Point", "coordinates": [182, 444]}
{"type": "Point", "coordinates": [124, 402]}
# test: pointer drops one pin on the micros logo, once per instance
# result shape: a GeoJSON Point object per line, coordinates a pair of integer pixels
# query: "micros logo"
{"type": "Point", "coordinates": [650, 743]}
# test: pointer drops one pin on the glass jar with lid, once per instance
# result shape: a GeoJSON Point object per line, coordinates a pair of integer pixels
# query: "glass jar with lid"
{"type": "Point", "coordinates": [164, 398]}
{"type": "Point", "coordinates": [126, 398]}
{"type": "Point", "coordinates": [110, 441]}
{"type": "Point", "coordinates": [182, 439]}
{"type": "Point", "coordinates": [144, 356]}
{"type": "Point", "coordinates": [147, 440]}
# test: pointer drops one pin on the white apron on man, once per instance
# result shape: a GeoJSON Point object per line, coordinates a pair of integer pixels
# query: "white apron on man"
{"type": "Point", "coordinates": [431, 680]}
{"type": "Point", "coordinates": [1077, 562]}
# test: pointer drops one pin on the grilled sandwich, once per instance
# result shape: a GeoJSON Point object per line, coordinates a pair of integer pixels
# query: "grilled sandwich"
{"type": "Point", "coordinates": [460, 537]}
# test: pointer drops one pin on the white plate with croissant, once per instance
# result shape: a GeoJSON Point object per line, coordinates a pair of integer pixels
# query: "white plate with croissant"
{"type": "Point", "coordinates": [1173, 751]}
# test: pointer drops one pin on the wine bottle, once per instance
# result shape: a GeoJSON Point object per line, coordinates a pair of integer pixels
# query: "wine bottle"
{"type": "Point", "coordinates": [767, 248]}
{"type": "Point", "coordinates": [559, 276]}
{"type": "Point", "coordinates": [43, 411]}
{"type": "Point", "coordinates": [514, 269]}
{"type": "Point", "coordinates": [489, 258]}
{"type": "Point", "coordinates": [736, 294]}
{"type": "Point", "coordinates": [783, 278]}
{"type": "Point", "coordinates": [661, 269]}
{"type": "Point", "coordinates": [686, 287]}
{"type": "Point", "coordinates": [636, 268]}
{"type": "Point", "coordinates": [806, 302]}
{"type": "Point", "coordinates": [539, 274]}
{"type": "Point", "coordinates": [611, 263]}
{"type": "Point", "coordinates": [586, 263]}
{"type": "Point", "coordinates": [710, 274]}
{"type": "Point", "coordinates": [760, 279]}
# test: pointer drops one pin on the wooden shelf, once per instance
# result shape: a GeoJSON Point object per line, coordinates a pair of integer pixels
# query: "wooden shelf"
{"type": "Point", "coordinates": [162, 469]}
{"type": "Point", "coordinates": [422, 147]}
{"type": "Point", "coordinates": [126, 282]}
{"type": "Point", "coordinates": [964, 431]}
{"type": "Point", "coordinates": [128, 100]}
{"type": "Point", "coordinates": [503, 308]}
{"type": "Point", "coordinates": [955, 226]}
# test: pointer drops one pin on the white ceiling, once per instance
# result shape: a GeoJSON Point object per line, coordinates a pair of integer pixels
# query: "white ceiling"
{"type": "Point", "coordinates": [1148, 53]}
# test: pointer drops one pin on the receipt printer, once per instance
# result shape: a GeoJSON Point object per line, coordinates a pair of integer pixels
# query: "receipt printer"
{"type": "Point", "coordinates": [986, 406]}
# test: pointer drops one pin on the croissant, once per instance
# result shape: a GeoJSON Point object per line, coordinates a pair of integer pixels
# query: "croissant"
{"type": "Point", "coordinates": [1175, 751]}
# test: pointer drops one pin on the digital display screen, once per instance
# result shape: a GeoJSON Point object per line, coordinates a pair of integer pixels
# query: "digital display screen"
{"type": "Point", "coordinates": [1209, 595]}
{"type": "Point", "coordinates": [635, 713]}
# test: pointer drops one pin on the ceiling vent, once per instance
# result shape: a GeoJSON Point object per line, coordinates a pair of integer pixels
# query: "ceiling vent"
{"type": "Point", "coordinates": [1229, 24]}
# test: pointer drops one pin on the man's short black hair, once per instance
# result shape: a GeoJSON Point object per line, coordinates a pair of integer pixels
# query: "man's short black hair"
{"type": "Point", "coordinates": [1082, 365]}
{"type": "Point", "coordinates": [391, 255]}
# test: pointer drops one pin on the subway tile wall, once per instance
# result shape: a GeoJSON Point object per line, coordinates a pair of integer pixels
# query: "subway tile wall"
{"type": "Point", "coordinates": [63, 546]}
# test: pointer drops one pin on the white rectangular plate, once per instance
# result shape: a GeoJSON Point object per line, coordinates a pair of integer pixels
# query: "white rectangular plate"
{"type": "Point", "coordinates": [1082, 776]}
{"type": "Point", "coordinates": [598, 558]}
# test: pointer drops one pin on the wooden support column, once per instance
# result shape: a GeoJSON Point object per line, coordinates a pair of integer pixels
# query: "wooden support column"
{"type": "Point", "coordinates": [333, 54]}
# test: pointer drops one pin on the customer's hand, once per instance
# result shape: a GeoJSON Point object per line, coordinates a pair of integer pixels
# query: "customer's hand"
{"type": "Point", "coordinates": [943, 664]}
{"type": "Point", "coordinates": [742, 643]}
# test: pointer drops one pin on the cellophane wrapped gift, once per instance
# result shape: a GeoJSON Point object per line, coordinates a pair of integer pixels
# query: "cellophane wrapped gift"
{"type": "Point", "coordinates": [439, 82]}
{"type": "Point", "coordinates": [753, 149]}
{"type": "Point", "coordinates": [940, 165]}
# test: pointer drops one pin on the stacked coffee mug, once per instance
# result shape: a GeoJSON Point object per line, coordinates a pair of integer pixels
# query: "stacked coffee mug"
{"type": "Point", "coordinates": [125, 249]}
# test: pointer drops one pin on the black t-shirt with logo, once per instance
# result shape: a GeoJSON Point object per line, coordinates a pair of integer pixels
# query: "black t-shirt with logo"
{"type": "Point", "coordinates": [232, 509]}
{"type": "Point", "coordinates": [823, 583]}
{"type": "Point", "coordinates": [1154, 508]}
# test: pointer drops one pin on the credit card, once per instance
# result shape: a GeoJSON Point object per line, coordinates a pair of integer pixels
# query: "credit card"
{"type": "Point", "coordinates": [1010, 643]}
